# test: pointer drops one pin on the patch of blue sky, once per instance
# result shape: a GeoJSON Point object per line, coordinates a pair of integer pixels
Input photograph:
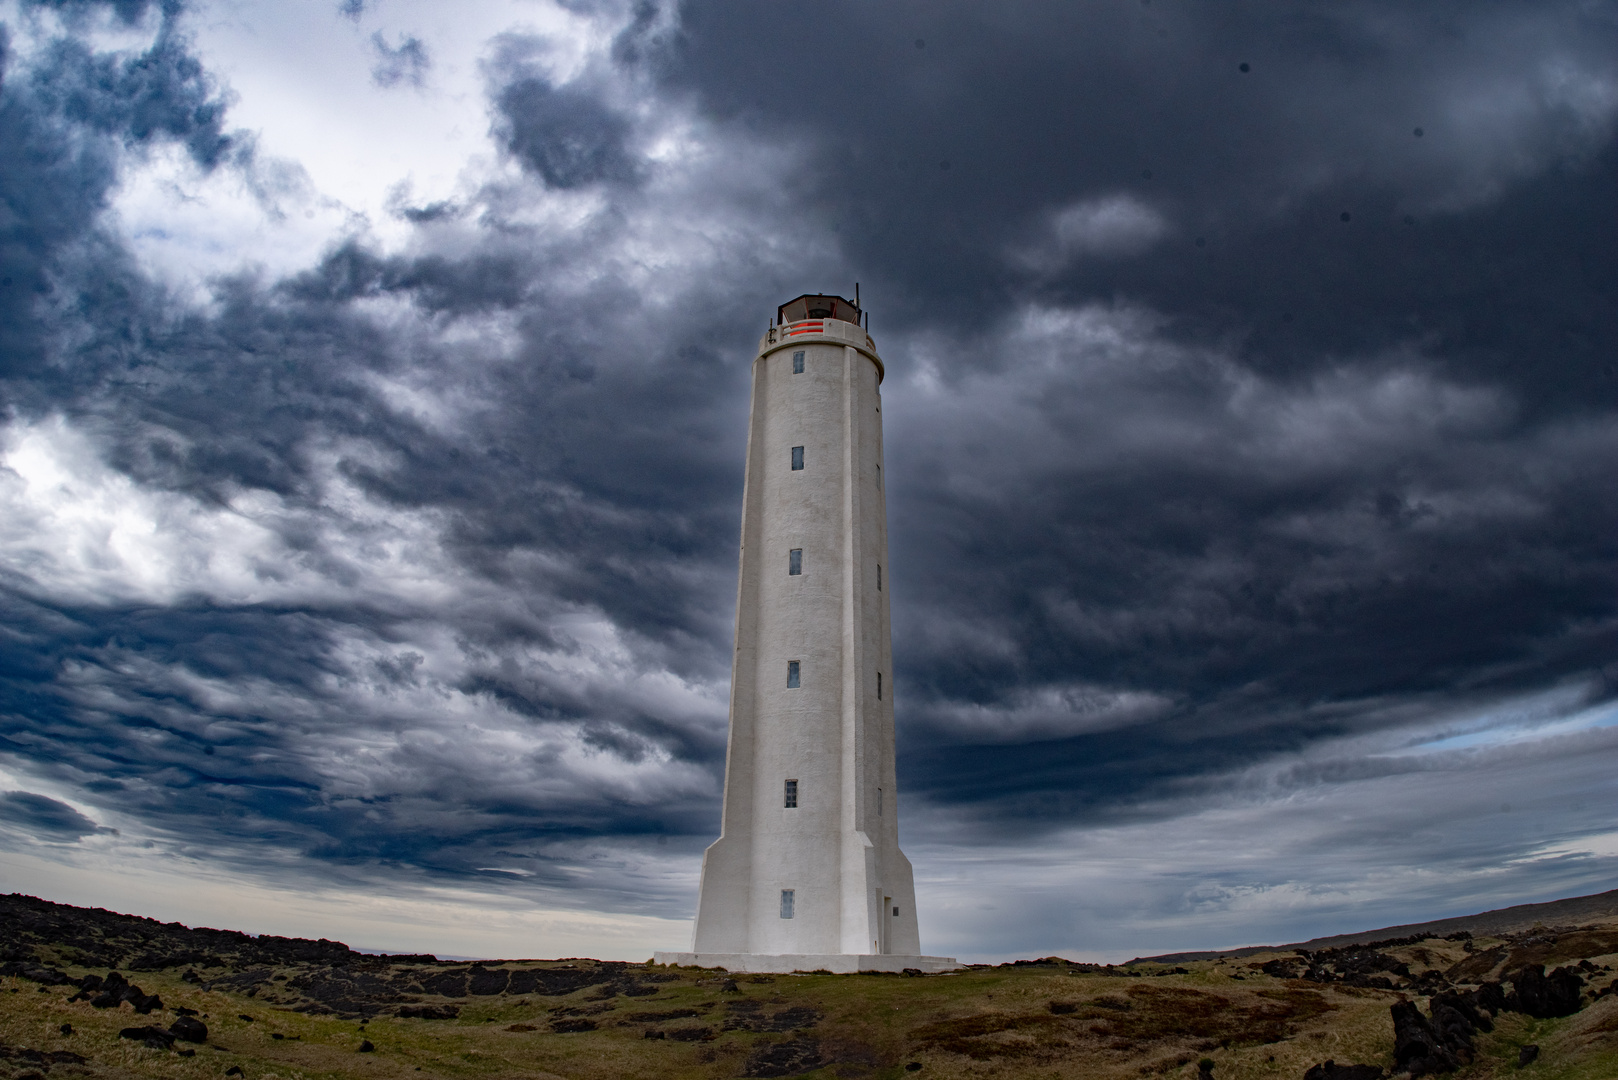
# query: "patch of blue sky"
{"type": "Point", "coordinates": [1542, 716]}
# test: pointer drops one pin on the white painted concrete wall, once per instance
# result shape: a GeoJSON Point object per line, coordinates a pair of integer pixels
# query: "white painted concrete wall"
{"type": "Point", "coordinates": [839, 849]}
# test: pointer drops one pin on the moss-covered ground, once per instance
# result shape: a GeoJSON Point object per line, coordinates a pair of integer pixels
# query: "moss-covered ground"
{"type": "Point", "coordinates": [1037, 1020]}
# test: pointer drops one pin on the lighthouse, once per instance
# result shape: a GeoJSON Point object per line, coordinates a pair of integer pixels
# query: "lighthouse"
{"type": "Point", "coordinates": [807, 873]}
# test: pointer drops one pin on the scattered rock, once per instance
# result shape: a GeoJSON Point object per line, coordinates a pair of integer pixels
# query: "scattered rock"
{"type": "Point", "coordinates": [1474, 1008]}
{"type": "Point", "coordinates": [235, 1070]}
{"type": "Point", "coordinates": [659, 1017]}
{"type": "Point", "coordinates": [1330, 1070]}
{"type": "Point", "coordinates": [653, 1033]}
{"type": "Point", "coordinates": [1545, 996]}
{"type": "Point", "coordinates": [745, 1015]}
{"type": "Point", "coordinates": [366, 1047]}
{"type": "Point", "coordinates": [550, 982]}
{"type": "Point", "coordinates": [1417, 1047]}
{"type": "Point", "coordinates": [1527, 1055]}
{"type": "Point", "coordinates": [486, 982]}
{"type": "Point", "coordinates": [1452, 1027]}
{"type": "Point", "coordinates": [189, 1029]}
{"type": "Point", "coordinates": [154, 1037]}
{"type": "Point", "coordinates": [784, 1058]}
{"type": "Point", "coordinates": [571, 1024]}
{"type": "Point", "coordinates": [66, 1029]}
{"type": "Point", "coordinates": [244, 1016]}
{"type": "Point", "coordinates": [41, 1057]}
{"type": "Point", "coordinates": [45, 976]}
{"type": "Point", "coordinates": [912, 1066]}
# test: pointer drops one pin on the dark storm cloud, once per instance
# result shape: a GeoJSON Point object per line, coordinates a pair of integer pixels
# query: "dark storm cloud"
{"type": "Point", "coordinates": [162, 93]}
{"type": "Point", "coordinates": [62, 120]}
{"type": "Point", "coordinates": [565, 134]}
{"type": "Point", "coordinates": [43, 817]}
{"type": "Point", "coordinates": [1360, 451]}
{"type": "Point", "coordinates": [1035, 106]}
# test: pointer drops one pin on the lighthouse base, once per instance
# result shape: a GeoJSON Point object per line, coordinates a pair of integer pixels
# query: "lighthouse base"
{"type": "Point", "coordinates": [785, 964]}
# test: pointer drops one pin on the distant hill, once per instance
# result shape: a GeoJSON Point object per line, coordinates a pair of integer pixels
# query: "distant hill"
{"type": "Point", "coordinates": [1572, 911]}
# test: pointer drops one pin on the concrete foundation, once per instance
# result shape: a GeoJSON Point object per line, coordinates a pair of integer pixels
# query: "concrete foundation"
{"type": "Point", "coordinates": [836, 963]}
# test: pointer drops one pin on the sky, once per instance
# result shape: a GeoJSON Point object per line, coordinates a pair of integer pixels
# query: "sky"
{"type": "Point", "coordinates": [373, 394]}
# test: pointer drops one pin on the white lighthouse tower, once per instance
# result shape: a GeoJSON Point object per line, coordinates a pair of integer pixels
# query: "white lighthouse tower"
{"type": "Point", "coordinates": [807, 873]}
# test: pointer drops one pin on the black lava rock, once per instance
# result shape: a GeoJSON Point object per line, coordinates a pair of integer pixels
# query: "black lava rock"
{"type": "Point", "coordinates": [189, 1029]}
{"type": "Point", "coordinates": [1330, 1070]}
{"type": "Point", "coordinates": [1417, 1047]}
{"type": "Point", "coordinates": [783, 1059]}
{"type": "Point", "coordinates": [143, 1003]}
{"type": "Point", "coordinates": [155, 1037]}
{"type": "Point", "coordinates": [1527, 1055]}
{"type": "Point", "coordinates": [1544, 996]}
{"type": "Point", "coordinates": [573, 1024]}
{"type": "Point", "coordinates": [485, 982]}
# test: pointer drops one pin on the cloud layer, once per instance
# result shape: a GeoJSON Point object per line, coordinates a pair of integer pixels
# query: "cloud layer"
{"type": "Point", "coordinates": [1251, 395]}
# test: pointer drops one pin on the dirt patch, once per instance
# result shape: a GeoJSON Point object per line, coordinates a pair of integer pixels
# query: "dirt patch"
{"type": "Point", "coordinates": [1171, 1012]}
{"type": "Point", "coordinates": [658, 1017]}
{"type": "Point", "coordinates": [984, 1035]}
{"type": "Point", "coordinates": [750, 1016]}
{"type": "Point", "coordinates": [790, 1058]}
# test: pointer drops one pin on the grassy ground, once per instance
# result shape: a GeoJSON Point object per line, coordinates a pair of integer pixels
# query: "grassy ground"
{"type": "Point", "coordinates": [1029, 1021]}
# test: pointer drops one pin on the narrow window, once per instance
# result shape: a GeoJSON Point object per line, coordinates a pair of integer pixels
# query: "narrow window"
{"type": "Point", "coordinates": [795, 561]}
{"type": "Point", "coordinates": [797, 458]}
{"type": "Point", "coordinates": [895, 913]}
{"type": "Point", "coordinates": [792, 674]}
{"type": "Point", "coordinates": [879, 686]}
{"type": "Point", "coordinates": [878, 802]}
{"type": "Point", "coordinates": [791, 799]}
{"type": "Point", "coordinates": [878, 577]}
{"type": "Point", "coordinates": [879, 476]}
{"type": "Point", "coordinates": [787, 903]}
{"type": "Point", "coordinates": [797, 362]}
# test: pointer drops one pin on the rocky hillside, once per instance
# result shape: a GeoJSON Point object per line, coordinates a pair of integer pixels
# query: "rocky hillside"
{"type": "Point", "coordinates": [90, 993]}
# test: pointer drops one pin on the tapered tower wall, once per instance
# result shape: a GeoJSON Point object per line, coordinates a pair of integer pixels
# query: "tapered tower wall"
{"type": "Point", "coordinates": [837, 850]}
